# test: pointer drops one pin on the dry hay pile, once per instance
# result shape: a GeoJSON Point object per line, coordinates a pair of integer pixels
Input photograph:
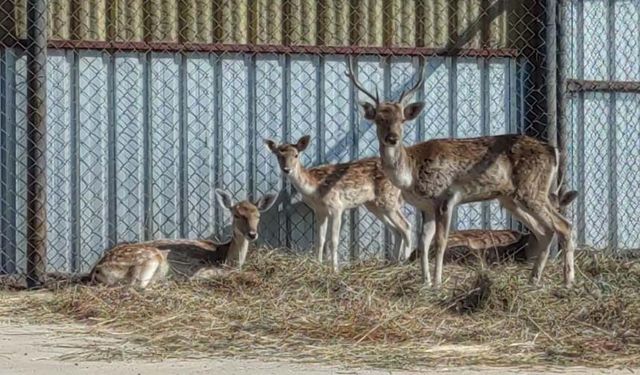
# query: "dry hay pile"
{"type": "Point", "coordinates": [370, 314]}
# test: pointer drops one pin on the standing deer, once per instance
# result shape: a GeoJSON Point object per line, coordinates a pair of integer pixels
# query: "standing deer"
{"type": "Point", "coordinates": [333, 188]}
{"type": "Point", "coordinates": [439, 174]}
{"type": "Point", "coordinates": [495, 246]}
{"type": "Point", "coordinates": [140, 264]}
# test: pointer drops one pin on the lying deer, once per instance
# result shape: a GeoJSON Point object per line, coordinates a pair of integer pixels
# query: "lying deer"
{"type": "Point", "coordinates": [333, 188]}
{"type": "Point", "coordinates": [437, 175]}
{"type": "Point", "coordinates": [140, 264]}
{"type": "Point", "coordinates": [494, 246]}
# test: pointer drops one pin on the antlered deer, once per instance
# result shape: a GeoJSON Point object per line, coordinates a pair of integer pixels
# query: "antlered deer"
{"type": "Point", "coordinates": [439, 174]}
{"type": "Point", "coordinates": [330, 189]}
{"type": "Point", "coordinates": [140, 264]}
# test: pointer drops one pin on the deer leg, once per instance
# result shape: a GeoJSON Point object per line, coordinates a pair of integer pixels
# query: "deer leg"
{"type": "Point", "coordinates": [335, 223]}
{"type": "Point", "coordinates": [404, 228]}
{"type": "Point", "coordinates": [398, 230]}
{"type": "Point", "coordinates": [427, 232]}
{"type": "Point", "coordinates": [525, 212]}
{"type": "Point", "coordinates": [384, 216]}
{"type": "Point", "coordinates": [321, 230]}
{"type": "Point", "coordinates": [563, 228]}
{"type": "Point", "coordinates": [444, 213]}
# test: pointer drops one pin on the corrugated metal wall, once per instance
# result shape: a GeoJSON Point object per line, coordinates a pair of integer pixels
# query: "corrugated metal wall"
{"type": "Point", "coordinates": [409, 23]}
{"type": "Point", "coordinates": [604, 40]}
{"type": "Point", "coordinates": [138, 141]}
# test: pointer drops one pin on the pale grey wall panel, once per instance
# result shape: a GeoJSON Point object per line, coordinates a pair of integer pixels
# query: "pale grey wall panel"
{"type": "Point", "coordinates": [92, 156]}
{"type": "Point", "coordinates": [235, 124]}
{"type": "Point", "coordinates": [59, 163]}
{"type": "Point", "coordinates": [627, 40]}
{"type": "Point", "coordinates": [628, 169]}
{"type": "Point", "coordinates": [129, 153]}
{"type": "Point", "coordinates": [595, 34]}
{"type": "Point", "coordinates": [596, 186]}
{"type": "Point", "coordinates": [468, 125]}
{"type": "Point", "coordinates": [304, 108]}
{"type": "Point", "coordinates": [269, 121]}
{"type": "Point", "coordinates": [165, 144]}
{"type": "Point", "coordinates": [200, 118]}
{"type": "Point", "coordinates": [436, 113]}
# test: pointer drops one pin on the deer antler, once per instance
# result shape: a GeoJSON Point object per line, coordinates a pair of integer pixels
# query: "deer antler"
{"type": "Point", "coordinates": [357, 84]}
{"type": "Point", "coordinates": [406, 94]}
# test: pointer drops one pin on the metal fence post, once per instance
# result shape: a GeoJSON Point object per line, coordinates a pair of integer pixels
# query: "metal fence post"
{"type": "Point", "coordinates": [561, 120]}
{"type": "Point", "coordinates": [36, 141]}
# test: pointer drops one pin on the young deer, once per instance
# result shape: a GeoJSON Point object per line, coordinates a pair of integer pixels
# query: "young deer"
{"type": "Point", "coordinates": [140, 264]}
{"type": "Point", "coordinates": [439, 174]}
{"type": "Point", "coordinates": [331, 189]}
{"type": "Point", "coordinates": [495, 246]}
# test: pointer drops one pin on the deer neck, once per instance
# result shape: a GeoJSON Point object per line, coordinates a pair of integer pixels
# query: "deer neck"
{"type": "Point", "coordinates": [238, 248]}
{"type": "Point", "coordinates": [397, 165]}
{"type": "Point", "coordinates": [302, 180]}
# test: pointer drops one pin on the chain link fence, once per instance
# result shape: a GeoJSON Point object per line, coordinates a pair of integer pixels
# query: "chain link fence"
{"type": "Point", "coordinates": [150, 105]}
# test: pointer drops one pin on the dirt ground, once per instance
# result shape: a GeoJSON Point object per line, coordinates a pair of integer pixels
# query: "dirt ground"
{"type": "Point", "coordinates": [41, 349]}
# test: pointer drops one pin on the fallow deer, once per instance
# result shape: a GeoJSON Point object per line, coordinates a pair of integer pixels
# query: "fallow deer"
{"type": "Point", "coordinates": [437, 175]}
{"type": "Point", "coordinates": [333, 188]}
{"type": "Point", "coordinates": [140, 264]}
{"type": "Point", "coordinates": [495, 246]}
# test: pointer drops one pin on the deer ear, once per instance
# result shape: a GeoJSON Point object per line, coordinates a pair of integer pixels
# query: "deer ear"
{"type": "Point", "coordinates": [368, 111]}
{"type": "Point", "coordinates": [266, 202]}
{"type": "Point", "coordinates": [224, 199]}
{"type": "Point", "coordinates": [271, 145]}
{"type": "Point", "coordinates": [412, 110]}
{"type": "Point", "coordinates": [568, 197]}
{"type": "Point", "coordinates": [303, 143]}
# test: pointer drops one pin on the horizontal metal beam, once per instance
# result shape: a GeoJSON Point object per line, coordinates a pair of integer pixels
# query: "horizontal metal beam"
{"type": "Point", "coordinates": [577, 85]}
{"type": "Point", "coordinates": [267, 48]}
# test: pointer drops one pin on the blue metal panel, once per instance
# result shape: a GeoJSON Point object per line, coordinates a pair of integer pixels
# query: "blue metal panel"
{"type": "Point", "coordinates": [595, 40]}
{"type": "Point", "coordinates": [269, 124]}
{"type": "Point", "coordinates": [628, 170]}
{"type": "Point", "coordinates": [595, 181]}
{"type": "Point", "coordinates": [8, 161]}
{"type": "Point", "coordinates": [165, 144]}
{"type": "Point", "coordinates": [200, 121]}
{"type": "Point", "coordinates": [469, 115]}
{"type": "Point", "coordinates": [235, 121]}
{"type": "Point", "coordinates": [59, 163]}
{"type": "Point", "coordinates": [92, 156]}
{"type": "Point", "coordinates": [627, 40]}
{"type": "Point", "coordinates": [436, 93]}
{"type": "Point", "coordinates": [303, 117]}
{"type": "Point", "coordinates": [129, 147]}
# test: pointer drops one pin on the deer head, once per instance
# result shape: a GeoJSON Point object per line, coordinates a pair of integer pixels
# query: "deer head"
{"type": "Point", "coordinates": [288, 154]}
{"type": "Point", "coordinates": [389, 116]}
{"type": "Point", "coordinates": [246, 214]}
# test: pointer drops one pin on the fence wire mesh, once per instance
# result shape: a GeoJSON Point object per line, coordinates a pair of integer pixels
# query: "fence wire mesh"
{"type": "Point", "coordinates": [152, 104]}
